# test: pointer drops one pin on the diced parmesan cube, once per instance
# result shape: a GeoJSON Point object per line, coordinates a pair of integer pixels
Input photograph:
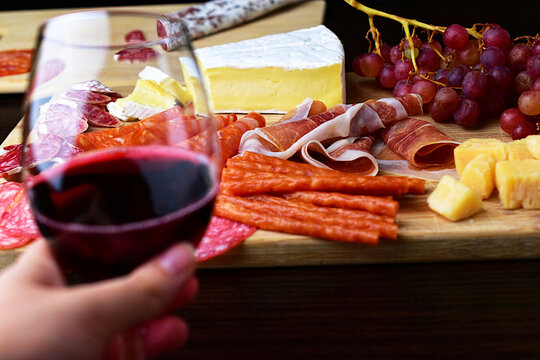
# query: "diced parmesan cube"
{"type": "Point", "coordinates": [479, 175]}
{"type": "Point", "coordinates": [533, 144]}
{"type": "Point", "coordinates": [517, 150]}
{"type": "Point", "coordinates": [468, 150]}
{"type": "Point", "coordinates": [454, 200]}
{"type": "Point", "coordinates": [518, 183]}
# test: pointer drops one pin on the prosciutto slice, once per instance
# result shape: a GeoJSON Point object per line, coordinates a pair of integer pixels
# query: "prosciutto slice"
{"type": "Point", "coordinates": [286, 138]}
{"type": "Point", "coordinates": [347, 155]}
{"type": "Point", "coordinates": [420, 142]}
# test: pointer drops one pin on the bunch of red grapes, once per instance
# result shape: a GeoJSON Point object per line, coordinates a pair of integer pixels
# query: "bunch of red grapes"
{"type": "Point", "coordinates": [477, 79]}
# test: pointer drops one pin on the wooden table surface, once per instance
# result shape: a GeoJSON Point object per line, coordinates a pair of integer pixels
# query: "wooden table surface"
{"type": "Point", "coordinates": [443, 310]}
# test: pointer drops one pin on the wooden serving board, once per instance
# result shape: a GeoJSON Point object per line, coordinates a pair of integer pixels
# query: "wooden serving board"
{"type": "Point", "coordinates": [18, 29]}
{"type": "Point", "coordinates": [424, 236]}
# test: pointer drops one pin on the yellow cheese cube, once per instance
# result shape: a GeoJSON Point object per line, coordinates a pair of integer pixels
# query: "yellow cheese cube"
{"type": "Point", "coordinates": [468, 150]}
{"type": "Point", "coordinates": [454, 200]}
{"type": "Point", "coordinates": [518, 183]}
{"type": "Point", "coordinates": [533, 144]}
{"type": "Point", "coordinates": [479, 175]}
{"type": "Point", "coordinates": [517, 150]}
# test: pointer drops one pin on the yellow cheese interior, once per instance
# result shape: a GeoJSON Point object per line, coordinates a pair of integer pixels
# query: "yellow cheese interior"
{"type": "Point", "coordinates": [470, 148]}
{"type": "Point", "coordinates": [479, 175]}
{"type": "Point", "coordinates": [533, 144]}
{"type": "Point", "coordinates": [179, 91]}
{"type": "Point", "coordinates": [272, 89]}
{"type": "Point", "coordinates": [150, 93]}
{"type": "Point", "coordinates": [454, 200]}
{"type": "Point", "coordinates": [518, 183]}
{"type": "Point", "coordinates": [517, 150]}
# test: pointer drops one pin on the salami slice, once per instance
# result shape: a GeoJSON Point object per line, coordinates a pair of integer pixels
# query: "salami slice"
{"type": "Point", "coordinates": [88, 97]}
{"type": "Point", "coordinates": [17, 218]}
{"type": "Point", "coordinates": [8, 241]}
{"type": "Point", "coordinates": [98, 117]}
{"type": "Point", "coordinates": [13, 62]}
{"type": "Point", "coordinates": [136, 54]}
{"type": "Point", "coordinates": [10, 160]}
{"type": "Point", "coordinates": [20, 228]}
{"type": "Point", "coordinates": [221, 236]}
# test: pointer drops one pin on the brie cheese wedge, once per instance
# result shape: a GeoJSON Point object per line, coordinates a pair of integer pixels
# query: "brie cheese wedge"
{"type": "Point", "coordinates": [273, 73]}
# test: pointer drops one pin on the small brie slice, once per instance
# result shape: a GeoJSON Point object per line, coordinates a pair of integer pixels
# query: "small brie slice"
{"type": "Point", "coordinates": [148, 98]}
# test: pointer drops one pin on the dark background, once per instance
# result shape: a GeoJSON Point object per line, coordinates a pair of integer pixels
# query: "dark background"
{"type": "Point", "coordinates": [519, 17]}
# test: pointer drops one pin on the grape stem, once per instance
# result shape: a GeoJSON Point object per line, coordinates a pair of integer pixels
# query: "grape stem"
{"type": "Point", "coordinates": [405, 23]}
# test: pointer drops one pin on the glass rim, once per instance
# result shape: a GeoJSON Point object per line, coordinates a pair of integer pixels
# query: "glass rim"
{"type": "Point", "coordinates": [163, 41]}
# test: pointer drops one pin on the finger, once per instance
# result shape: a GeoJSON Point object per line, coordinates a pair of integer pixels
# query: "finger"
{"type": "Point", "coordinates": [186, 295]}
{"type": "Point", "coordinates": [117, 304]}
{"type": "Point", "coordinates": [37, 265]}
{"type": "Point", "coordinates": [165, 334]}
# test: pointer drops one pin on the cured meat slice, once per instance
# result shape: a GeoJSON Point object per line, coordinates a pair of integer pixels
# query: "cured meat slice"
{"type": "Point", "coordinates": [167, 127]}
{"type": "Point", "coordinates": [96, 116]}
{"type": "Point", "coordinates": [307, 108]}
{"type": "Point", "coordinates": [96, 86]}
{"type": "Point", "coordinates": [374, 204]}
{"type": "Point", "coordinates": [17, 227]}
{"type": "Point", "coordinates": [136, 54]}
{"type": "Point", "coordinates": [88, 97]}
{"type": "Point", "coordinates": [17, 218]}
{"type": "Point", "coordinates": [11, 159]}
{"type": "Point", "coordinates": [285, 139]}
{"type": "Point", "coordinates": [243, 210]}
{"type": "Point", "coordinates": [228, 137]}
{"type": "Point", "coordinates": [17, 61]}
{"type": "Point", "coordinates": [420, 142]}
{"type": "Point", "coordinates": [346, 155]}
{"type": "Point", "coordinates": [221, 236]}
{"type": "Point", "coordinates": [216, 15]}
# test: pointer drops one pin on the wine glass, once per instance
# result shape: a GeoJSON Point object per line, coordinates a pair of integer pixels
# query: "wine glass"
{"type": "Point", "coordinates": [120, 157]}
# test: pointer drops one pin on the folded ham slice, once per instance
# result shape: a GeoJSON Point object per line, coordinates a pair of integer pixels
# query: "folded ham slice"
{"type": "Point", "coordinates": [317, 133]}
{"type": "Point", "coordinates": [420, 142]}
{"type": "Point", "coordinates": [347, 155]}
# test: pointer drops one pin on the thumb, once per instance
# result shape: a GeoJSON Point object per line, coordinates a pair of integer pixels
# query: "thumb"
{"type": "Point", "coordinates": [115, 304]}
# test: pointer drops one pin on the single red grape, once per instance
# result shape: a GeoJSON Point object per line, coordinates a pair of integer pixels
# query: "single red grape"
{"type": "Point", "coordinates": [469, 54]}
{"type": "Point", "coordinates": [356, 65]}
{"type": "Point", "coordinates": [522, 82]}
{"type": "Point", "coordinates": [524, 129]}
{"type": "Point", "coordinates": [518, 56]}
{"type": "Point", "coordinates": [395, 54]}
{"type": "Point", "coordinates": [386, 77]}
{"type": "Point", "coordinates": [402, 87]}
{"type": "Point", "coordinates": [529, 102]}
{"type": "Point", "coordinates": [500, 77]}
{"type": "Point", "coordinates": [496, 36]}
{"type": "Point", "coordinates": [385, 53]}
{"type": "Point", "coordinates": [474, 84]}
{"type": "Point", "coordinates": [429, 59]}
{"type": "Point", "coordinates": [533, 66]}
{"type": "Point", "coordinates": [492, 56]}
{"type": "Point", "coordinates": [402, 69]}
{"type": "Point", "coordinates": [468, 113]}
{"type": "Point", "coordinates": [445, 102]}
{"type": "Point", "coordinates": [371, 64]}
{"type": "Point", "coordinates": [457, 74]}
{"type": "Point", "coordinates": [455, 36]}
{"type": "Point", "coordinates": [426, 89]}
{"type": "Point", "coordinates": [510, 119]}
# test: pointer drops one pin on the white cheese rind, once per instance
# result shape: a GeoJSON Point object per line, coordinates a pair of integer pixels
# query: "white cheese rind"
{"type": "Point", "coordinates": [309, 48]}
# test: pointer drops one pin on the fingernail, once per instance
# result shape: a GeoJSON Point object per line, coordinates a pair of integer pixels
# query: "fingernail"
{"type": "Point", "coordinates": [178, 260]}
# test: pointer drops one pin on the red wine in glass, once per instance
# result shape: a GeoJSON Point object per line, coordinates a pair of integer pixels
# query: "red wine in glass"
{"type": "Point", "coordinates": [104, 213]}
